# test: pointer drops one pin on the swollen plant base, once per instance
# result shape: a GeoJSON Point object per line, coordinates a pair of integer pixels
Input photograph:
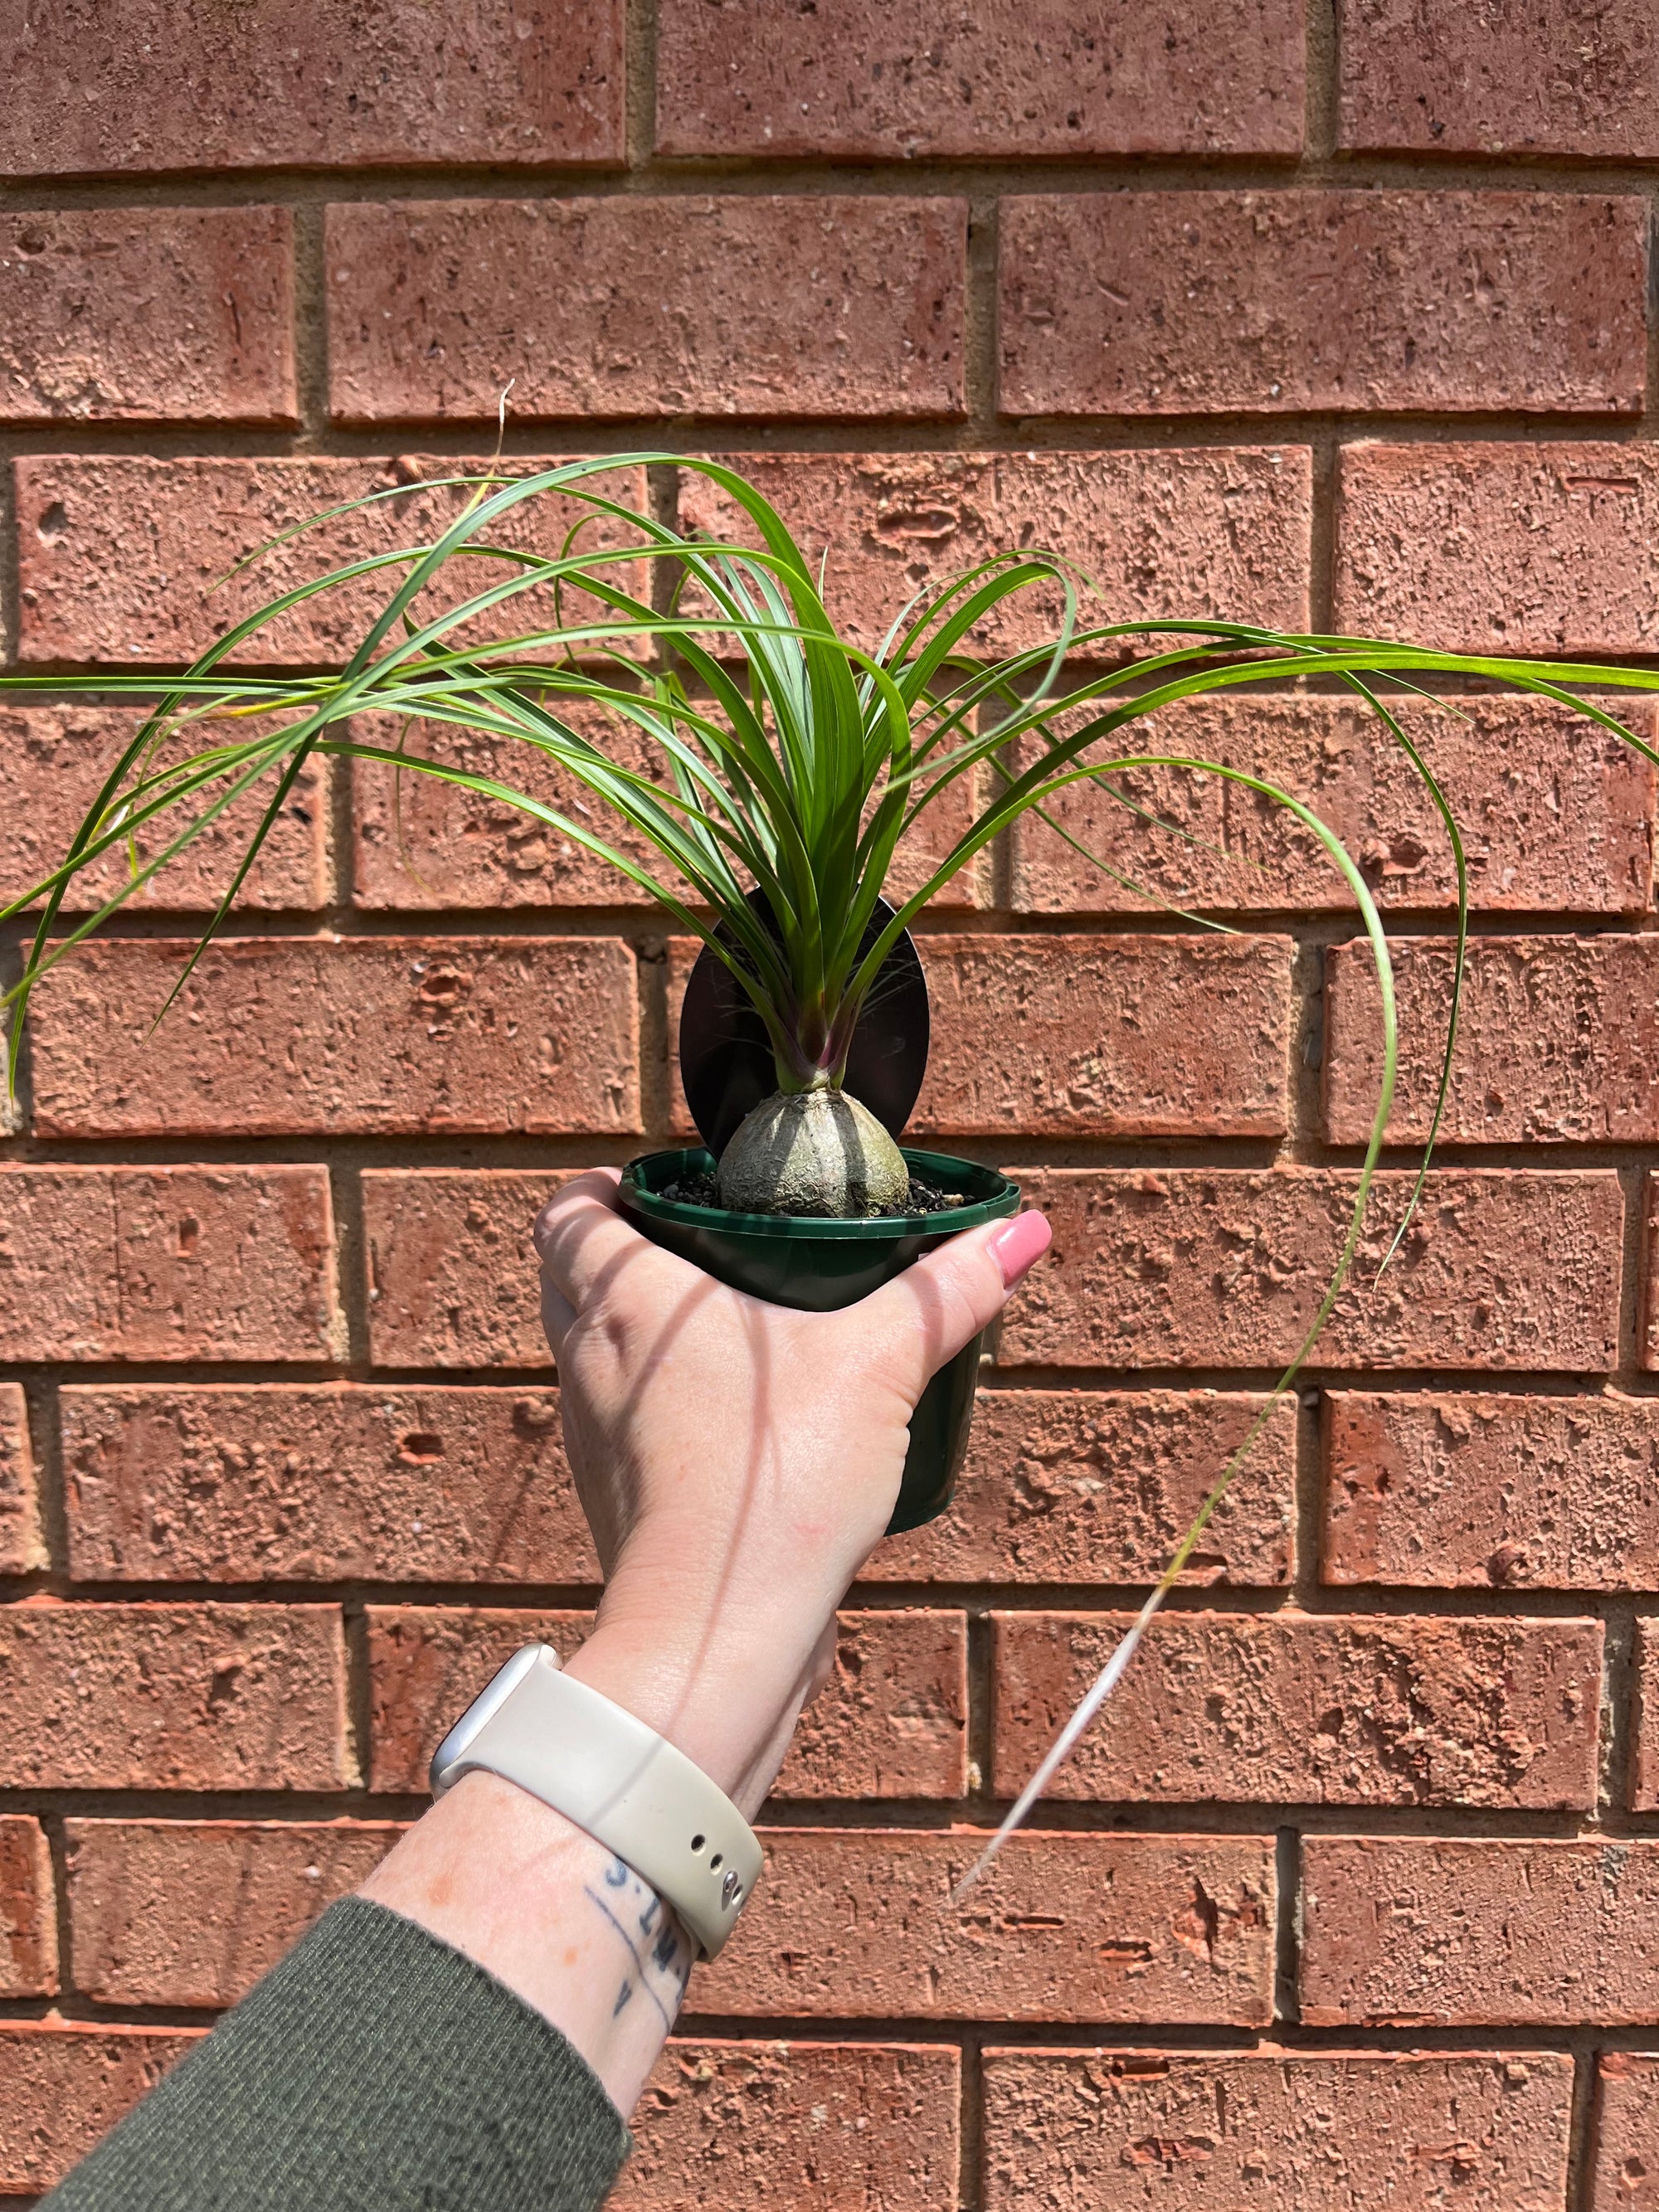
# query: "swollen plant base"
{"type": "Point", "coordinates": [818, 1264]}
{"type": "Point", "coordinates": [813, 1153]}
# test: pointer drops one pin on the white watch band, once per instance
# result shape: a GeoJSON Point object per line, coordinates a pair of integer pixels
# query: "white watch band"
{"type": "Point", "coordinates": [616, 1779]}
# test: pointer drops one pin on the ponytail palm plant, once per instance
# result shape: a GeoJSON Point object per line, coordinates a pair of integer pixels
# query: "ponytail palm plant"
{"type": "Point", "coordinates": [784, 758]}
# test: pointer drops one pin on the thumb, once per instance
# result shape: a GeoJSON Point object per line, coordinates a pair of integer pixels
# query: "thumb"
{"type": "Point", "coordinates": [925, 1315]}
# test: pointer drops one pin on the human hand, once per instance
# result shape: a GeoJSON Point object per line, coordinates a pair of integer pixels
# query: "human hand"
{"type": "Point", "coordinates": [737, 1463]}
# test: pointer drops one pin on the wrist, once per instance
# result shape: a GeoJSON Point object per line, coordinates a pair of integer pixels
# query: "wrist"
{"type": "Point", "coordinates": [728, 1706]}
{"type": "Point", "coordinates": [498, 1875]}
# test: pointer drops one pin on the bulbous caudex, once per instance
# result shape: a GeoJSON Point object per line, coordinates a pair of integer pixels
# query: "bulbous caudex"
{"type": "Point", "coordinates": [816, 1152]}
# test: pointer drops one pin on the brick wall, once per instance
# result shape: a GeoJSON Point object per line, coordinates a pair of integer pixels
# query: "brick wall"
{"type": "Point", "coordinates": [1354, 1900]}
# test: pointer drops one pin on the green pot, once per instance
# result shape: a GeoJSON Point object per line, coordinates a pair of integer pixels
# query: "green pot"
{"type": "Point", "coordinates": [817, 1266]}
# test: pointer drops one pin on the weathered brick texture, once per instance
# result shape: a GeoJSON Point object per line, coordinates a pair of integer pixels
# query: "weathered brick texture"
{"type": "Point", "coordinates": [1189, 2129]}
{"type": "Point", "coordinates": [328, 1482]}
{"type": "Point", "coordinates": [905, 79]}
{"type": "Point", "coordinates": [451, 1280]}
{"type": "Point", "coordinates": [185, 88]}
{"type": "Point", "coordinates": [187, 1912]}
{"type": "Point", "coordinates": [23, 1544]}
{"type": "Point", "coordinates": [28, 1918]}
{"type": "Point", "coordinates": [1085, 1485]}
{"type": "Point", "coordinates": [1544, 79]}
{"type": "Point", "coordinates": [283, 1477]}
{"type": "Point", "coordinates": [1555, 814]}
{"type": "Point", "coordinates": [1276, 302]}
{"type": "Point", "coordinates": [127, 559]}
{"type": "Point", "coordinates": [62, 2086]}
{"type": "Point", "coordinates": [421, 842]}
{"type": "Point", "coordinates": [1645, 1760]}
{"type": "Point", "coordinates": [384, 1036]}
{"type": "Point", "coordinates": [1556, 1042]}
{"type": "Point", "coordinates": [1100, 1928]}
{"type": "Point", "coordinates": [1627, 2133]}
{"type": "Point", "coordinates": [1499, 547]}
{"type": "Point", "coordinates": [57, 759]}
{"type": "Point", "coordinates": [629, 306]}
{"type": "Point", "coordinates": [890, 1723]}
{"type": "Point", "coordinates": [1170, 1267]}
{"type": "Point", "coordinates": [1192, 531]}
{"type": "Point", "coordinates": [1058, 1036]}
{"type": "Point", "coordinates": [1449, 1490]}
{"type": "Point", "coordinates": [135, 317]}
{"type": "Point", "coordinates": [174, 1697]}
{"type": "Point", "coordinates": [1389, 1937]}
{"type": "Point", "coordinates": [813, 2125]}
{"type": "Point", "coordinates": [167, 1263]}
{"type": "Point", "coordinates": [1297, 1710]}
{"type": "Point", "coordinates": [1649, 1325]}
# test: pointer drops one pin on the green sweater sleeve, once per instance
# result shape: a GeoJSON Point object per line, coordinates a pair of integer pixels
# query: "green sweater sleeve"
{"type": "Point", "coordinates": [375, 2070]}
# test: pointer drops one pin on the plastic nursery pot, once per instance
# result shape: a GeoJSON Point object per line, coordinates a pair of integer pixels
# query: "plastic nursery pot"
{"type": "Point", "coordinates": [817, 1266]}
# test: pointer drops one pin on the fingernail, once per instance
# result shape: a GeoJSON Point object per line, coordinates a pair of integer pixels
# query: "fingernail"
{"type": "Point", "coordinates": [1019, 1243]}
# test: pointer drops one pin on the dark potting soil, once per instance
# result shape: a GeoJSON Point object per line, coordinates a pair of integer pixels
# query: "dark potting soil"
{"type": "Point", "coordinates": [924, 1197]}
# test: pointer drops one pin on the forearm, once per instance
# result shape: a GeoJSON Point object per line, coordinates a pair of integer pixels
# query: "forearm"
{"type": "Point", "coordinates": [374, 2069]}
{"type": "Point", "coordinates": [553, 1914]}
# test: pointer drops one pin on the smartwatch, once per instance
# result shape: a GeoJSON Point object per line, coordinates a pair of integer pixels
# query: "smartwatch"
{"type": "Point", "coordinates": [617, 1779]}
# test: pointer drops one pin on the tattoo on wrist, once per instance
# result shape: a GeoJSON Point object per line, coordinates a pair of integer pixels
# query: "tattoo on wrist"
{"type": "Point", "coordinates": [659, 1952]}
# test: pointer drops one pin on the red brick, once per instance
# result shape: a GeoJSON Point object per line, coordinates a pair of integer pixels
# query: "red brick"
{"type": "Point", "coordinates": [1421, 1931]}
{"type": "Point", "coordinates": [1294, 1709]}
{"type": "Point", "coordinates": [1546, 78]}
{"type": "Point", "coordinates": [125, 314]}
{"type": "Point", "coordinates": [1225, 1267]}
{"type": "Point", "coordinates": [1650, 1337]}
{"type": "Point", "coordinates": [1069, 2130]}
{"type": "Point", "coordinates": [22, 1546]}
{"type": "Point", "coordinates": [817, 2126]}
{"type": "Point", "coordinates": [1509, 549]}
{"type": "Point", "coordinates": [1187, 532]}
{"type": "Point", "coordinates": [1065, 1036]}
{"type": "Point", "coordinates": [1085, 1485]}
{"type": "Point", "coordinates": [378, 1035]}
{"type": "Point", "coordinates": [452, 1276]}
{"type": "Point", "coordinates": [61, 2088]}
{"type": "Point", "coordinates": [121, 558]}
{"type": "Point", "coordinates": [931, 840]}
{"type": "Point", "coordinates": [859, 1924]}
{"type": "Point", "coordinates": [1460, 1492]}
{"type": "Point", "coordinates": [903, 80]}
{"type": "Point", "coordinates": [168, 1263]}
{"type": "Point", "coordinates": [892, 1720]}
{"type": "Point", "coordinates": [1556, 1040]}
{"type": "Point", "coordinates": [174, 1697]}
{"type": "Point", "coordinates": [58, 758]}
{"type": "Point", "coordinates": [186, 87]}
{"type": "Point", "coordinates": [1198, 303]}
{"type": "Point", "coordinates": [1062, 1037]}
{"type": "Point", "coordinates": [422, 843]}
{"type": "Point", "coordinates": [176, 1912]}
{"type": "Point", "coordinates": [817, 307]}
{"type": "Point", "coordinates": [1554, 812]}
{"type": "Point", "coordinates": [1626, 2135]}
{"type": "Point", "coordinates": [1643, 1792]}
{"type": "Point", "coordinates": [28, 1916]}
{"type": "Point", "coordinates": [319, 1482]}
{"type": "Point", "coordinates": [891, 1723]}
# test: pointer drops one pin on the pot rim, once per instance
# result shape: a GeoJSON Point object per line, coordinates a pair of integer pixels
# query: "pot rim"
{"type": "Point", "coordinates": [998, 1197]}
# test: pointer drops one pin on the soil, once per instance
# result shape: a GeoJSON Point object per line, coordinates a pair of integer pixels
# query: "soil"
{"type": "Point", "coordinates": [924, 1197]}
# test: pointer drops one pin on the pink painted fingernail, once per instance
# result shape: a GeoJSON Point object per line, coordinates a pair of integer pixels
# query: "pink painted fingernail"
{"type": "Point", "coordinates": [1020, 1243]}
